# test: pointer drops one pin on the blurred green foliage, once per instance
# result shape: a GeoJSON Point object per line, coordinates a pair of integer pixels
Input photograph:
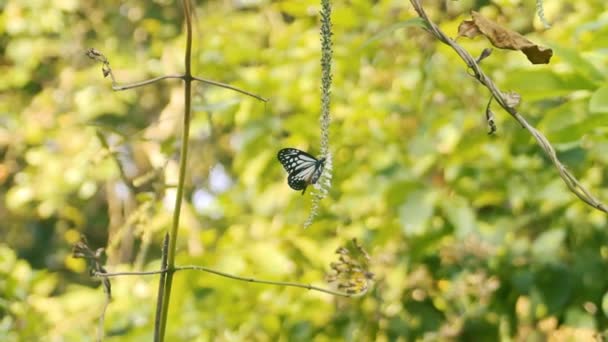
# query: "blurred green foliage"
{"type": "Point", "coordinates": [471, 237]}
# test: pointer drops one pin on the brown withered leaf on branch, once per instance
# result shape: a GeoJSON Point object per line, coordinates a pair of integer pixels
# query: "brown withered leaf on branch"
{"type": "Point", "coordinates": [503, 38]}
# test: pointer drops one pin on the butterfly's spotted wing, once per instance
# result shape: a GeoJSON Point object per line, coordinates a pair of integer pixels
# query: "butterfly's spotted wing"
{"type": "Point", "coordinates": [303, 169]}
{"type": "Point", "coordinates": [296, 183]}
{"type": "Point", "coordinates": [293, 159]}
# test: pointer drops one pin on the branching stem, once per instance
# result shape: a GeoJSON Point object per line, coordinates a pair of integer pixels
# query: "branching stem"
{"type": "Point", "coordinates": [117, 87]}
{"type": "Point", "coordinates": [182, 174]}
{"type": "Point", "coordinates": [231, 276]}
{"type": "Point", "coordinates": [573, 184]}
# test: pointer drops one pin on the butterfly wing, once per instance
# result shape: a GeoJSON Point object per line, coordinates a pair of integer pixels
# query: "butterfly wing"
{"type": "Point", "coordinates": [293, 159]}
{"type": "Point", "coordinates": [320, 165]}
{"type": "Point", "coordinates": [296, 183]}
{"type": "Point", "coordinates": [303, 168]}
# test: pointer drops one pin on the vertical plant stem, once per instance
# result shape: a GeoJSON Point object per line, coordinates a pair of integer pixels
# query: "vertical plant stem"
{"type": "Point", "coordinates": [326, 60]}
{"type": "Point", "coordinates": [326, 77]}
{"type": "Point", "coordinates": [182, 171]}
{"type": "Point", "coordinates": [161, 288]}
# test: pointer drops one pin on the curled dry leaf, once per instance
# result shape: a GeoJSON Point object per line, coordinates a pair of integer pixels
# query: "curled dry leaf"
{"type": "Point", "coordinates": [81, 250]}
{"type": "Point", "coordinates": [490, 118]}
{"type": "Point", "coordinates": [512, 98]}
{"type": "Point", "coordinates": [491, 122]}
{"type": "Point", "coordinates": [503, 38]}
{"type": "Point", "coordinates": [484, 54]}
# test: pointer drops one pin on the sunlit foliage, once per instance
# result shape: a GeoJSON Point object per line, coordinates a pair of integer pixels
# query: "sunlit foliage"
{"type": "Point", "coordinates": [468, 235]}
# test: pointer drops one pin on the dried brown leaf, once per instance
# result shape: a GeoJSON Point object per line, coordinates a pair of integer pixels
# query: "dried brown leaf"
{"type": "Point", "coordinates": [468, 29]}
{"type": "Point", "coordinates": [484, 54]}
{"type": "Point", "coordinates": [504, 38]}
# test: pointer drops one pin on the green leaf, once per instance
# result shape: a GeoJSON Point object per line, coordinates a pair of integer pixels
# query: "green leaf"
{"type": "Point", "coordinates": [554, 285]}
{"type": "Point", "coordinates": [599, 100]}
{"type": "Point", "coordinates": [580, 64]}
{"type": "Point", "coordinates": [413, 22]}
{"type": "Point", "coordinates": [541, 84]}
{"type": "Point", "coordinates": [576, 131]}
{"type": "Point", "coordinates": [576, 317]}
{"type": "Point", "coordinates": [416, 212]}
{"type": "Point", "coordinates": [460, 215]}
{"type": "Point", "coordinates": [605, 304]}
{"type": "Point", "coordinates": [546, 247]}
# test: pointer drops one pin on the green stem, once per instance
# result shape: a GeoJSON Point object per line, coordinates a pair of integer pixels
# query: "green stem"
{"type": "Point", "coordinates": [161, 289]}
{"type": "Point", "coordinates": [182, 172]}
{"type": "Point", "coordinates": [235, 277]}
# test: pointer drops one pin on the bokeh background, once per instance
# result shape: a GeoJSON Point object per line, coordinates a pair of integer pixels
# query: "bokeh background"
{"type": "Point", "coordinates": [471, 236]}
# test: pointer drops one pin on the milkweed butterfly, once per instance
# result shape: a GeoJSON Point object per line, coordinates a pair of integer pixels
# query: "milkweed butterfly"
{"type": "Point", "coordinates": [303, 169]}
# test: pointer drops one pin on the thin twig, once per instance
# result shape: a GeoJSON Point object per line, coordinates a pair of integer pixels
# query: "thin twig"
{"type": "Point", "coordinates": [107, 71]}
{"type": "Point", "coordinates": [174, 229]}
{"type": "Point", "coordinates": [82, 250]}
{"type": "Point", "coordinates": [227, 86]}
{"type": "Point", "coordinates": [231, 276]}
{"type": "Point", "coordinates": [203, 80]}
{"type": "Point", "coordinates": [573, 184]}
{"type": "Point", "coordinates": [161, 288]}
{"type": "Point", "coordinates": [102, 317]}
{"type": "Point", "coordinates": [134, 273]}
{"type": "Point", "coordinates": [268, 282]}
{"type": "Point", "coordinates": [142, 83]}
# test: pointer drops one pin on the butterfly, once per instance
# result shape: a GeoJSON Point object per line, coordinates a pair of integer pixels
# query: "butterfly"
{"type": "Point", "coordinates": [303, 169]}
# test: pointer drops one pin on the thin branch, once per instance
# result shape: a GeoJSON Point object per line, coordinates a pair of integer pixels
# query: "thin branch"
{"type": "Point", "coordinates": [231, 276]}
{"type": "Point", "coordinates": [268, 282]}
{"type": "Point", "coordinates": [173, 230]}
{"type": "Point", "coordinates": [161, 289]}
{"type": "Point", "coordinates": [82, 250]}
{"type": "Point", "coordinates": [142, 83]}
{"type": "Point", "coordinates": [102, 317]}
{"type": "Point", "coordinates": [107, 71]}
{"type": "Point", "coordinates": [134, 273]}
{"type": "Point", "coordinates": [227, 86]}
{"type": "Point", "coordinates": [203, 80]}
{"type": "Point", "coordinates": [573, 184]}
